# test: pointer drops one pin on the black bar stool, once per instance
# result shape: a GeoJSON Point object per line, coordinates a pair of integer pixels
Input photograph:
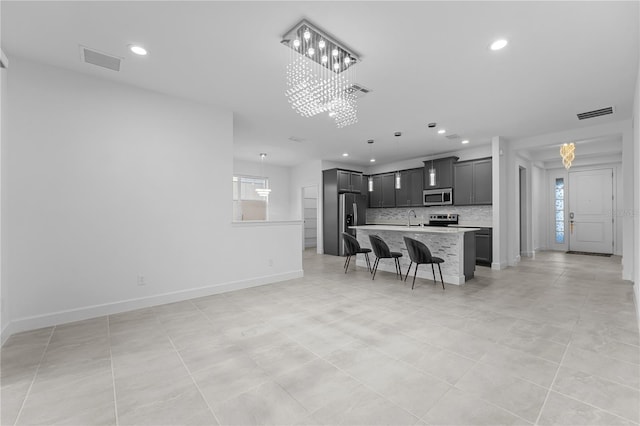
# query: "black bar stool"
{"type": "Point", "coordinates": [381, 250]}
{"type": "Point", "coordinates": [352, 247]}
{"type": "Point", "coordinates": [420, 254]}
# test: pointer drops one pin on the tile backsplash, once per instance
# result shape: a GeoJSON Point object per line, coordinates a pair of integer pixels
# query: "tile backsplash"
{"type": "Point", "coordinates": [476, 214]}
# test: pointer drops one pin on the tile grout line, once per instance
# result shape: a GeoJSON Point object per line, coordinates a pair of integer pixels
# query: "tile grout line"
{"type": "Point", "coordinates": [595, 406]}
{"type": "Point", "coordinates": [564, 354]}
{"type": "Point", "coordinates": [113, 373]}
{"type": "Point", "coordinates": [350, 375]}
{"type": "Point", "coordinates": [35, 375]}
{"type": "Point", "coordinates": [189, 371]}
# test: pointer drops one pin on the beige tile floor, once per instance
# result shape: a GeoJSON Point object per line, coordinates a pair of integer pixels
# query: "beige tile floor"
{"type": "Point", "coordinates": [551, 341]}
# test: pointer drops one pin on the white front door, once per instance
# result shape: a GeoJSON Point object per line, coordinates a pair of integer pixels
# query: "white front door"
{"type": "Point", "coordinates": [590, 211]}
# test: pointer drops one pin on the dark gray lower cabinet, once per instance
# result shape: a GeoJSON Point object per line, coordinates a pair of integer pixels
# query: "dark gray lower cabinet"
{"type": "Point", "coordinates": [484, 246]}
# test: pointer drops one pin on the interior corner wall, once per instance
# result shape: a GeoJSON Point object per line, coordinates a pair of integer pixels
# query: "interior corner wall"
{"type": "Point", "coordinates": [115, 197]}
{"type": "Point", "coordinates": [539, 208]}
{"type": "Point", "coordinates": [500, 153]}
{"type": "Point", "coordinates": [279, 178]}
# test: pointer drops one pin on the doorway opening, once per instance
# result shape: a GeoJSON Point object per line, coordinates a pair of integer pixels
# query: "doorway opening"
{"type": "Point", "coordinates": [522, 182]}
{"type": "Point", "coordinates": [310, 217]}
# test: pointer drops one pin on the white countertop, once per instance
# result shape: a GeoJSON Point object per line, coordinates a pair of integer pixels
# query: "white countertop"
{"type": "Point", "coordinates": [416, 229]}
{"type": "Point", "coordinates": [462, 224]}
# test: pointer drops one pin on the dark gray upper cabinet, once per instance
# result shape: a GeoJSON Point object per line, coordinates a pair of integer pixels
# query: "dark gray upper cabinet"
{"type": "Point", "coordinates": [349, 181]}
{"type": "Point", "coordinates": [375, 196]}
{"type": "Point", "coordinates": [463, 177]}
{"type": "Point", "coordinates": [410, 192]}
{"type": "Point", "coordinates": [444, 172]}
{"type": "Point", "coordinates": [472, 182]}
{"type": "Point", "coordinates": [482, 182]}
{"type": "Point", "coordinates": [388, 190]}
{"type": "Point", "coordinates": [384, 192]}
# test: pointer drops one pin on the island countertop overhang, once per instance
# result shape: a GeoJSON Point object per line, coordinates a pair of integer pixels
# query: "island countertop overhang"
{"type": "Point", "coordinates": [416, 229]}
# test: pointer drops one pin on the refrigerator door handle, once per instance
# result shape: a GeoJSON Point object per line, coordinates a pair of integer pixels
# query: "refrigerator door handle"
{"type": "Point", "coordinates": [355, 214]}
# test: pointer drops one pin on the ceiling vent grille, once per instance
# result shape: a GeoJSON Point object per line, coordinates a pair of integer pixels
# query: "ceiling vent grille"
{"type": "Point", "coordinates": [358, 90]}
{"type": "Point", "coordinates": [453, 136]}
{"type": "Point", "coordinates": [595, 113]}
{"type": "Point", "coordinates": [94, 57]}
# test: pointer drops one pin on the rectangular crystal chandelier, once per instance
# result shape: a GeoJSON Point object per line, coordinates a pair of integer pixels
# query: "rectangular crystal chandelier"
{"type": "Point", "coordinates": [319, 74]}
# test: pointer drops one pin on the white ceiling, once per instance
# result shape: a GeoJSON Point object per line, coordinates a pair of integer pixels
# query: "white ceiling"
{"type": "Point", "coordinates": [424, 61]}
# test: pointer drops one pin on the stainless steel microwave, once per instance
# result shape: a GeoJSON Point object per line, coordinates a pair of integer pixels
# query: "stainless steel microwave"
{"type": "Point", "coordinates": [437, 197]}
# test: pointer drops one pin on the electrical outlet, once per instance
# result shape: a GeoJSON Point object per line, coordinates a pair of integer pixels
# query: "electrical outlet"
{"type": "Point", "coordinates": [141, 280]}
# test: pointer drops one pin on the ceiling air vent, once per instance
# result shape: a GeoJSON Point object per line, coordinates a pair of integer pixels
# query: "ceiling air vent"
{"type": "Point", "coordinates": [94, 57]}
{"type": "Point", "coordinates": [453, 136]}
{"type": "Point", "coordinates": [595, 113]}
{"type": "Point", "coordinates": [358, 89]}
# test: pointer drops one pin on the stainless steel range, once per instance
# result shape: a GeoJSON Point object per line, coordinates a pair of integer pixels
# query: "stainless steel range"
{"type": "Point", "coordinates": [443, 219]}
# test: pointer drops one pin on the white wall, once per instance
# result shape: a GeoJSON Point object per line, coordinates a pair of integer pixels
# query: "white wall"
{"type": "Point", "coordinates": [4, 290]}
{"type": "Point", "coordinates": [539, 208]}
{"type": "Point", "coordinates": [279, 182]}
{"type": "Point", "coordinates": [501, 153]}
{"type": "Point", "coordinates": [636, 202]}
{"type": "Point", "coordinates": [104, 182]}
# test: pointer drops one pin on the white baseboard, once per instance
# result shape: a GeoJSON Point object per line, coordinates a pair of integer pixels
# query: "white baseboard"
{"type": "Point", "coordinates": [79, 314]}
{"type": "Point", "coordinates": [498, 266]}
{"type": "Point", "coordinates": [6, 332]}
{"type": "Point", "coordinates": [528, 254]}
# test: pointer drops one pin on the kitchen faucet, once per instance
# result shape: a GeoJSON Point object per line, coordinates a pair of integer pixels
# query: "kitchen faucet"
{"type": "Point", "coordinates": [409, 216]}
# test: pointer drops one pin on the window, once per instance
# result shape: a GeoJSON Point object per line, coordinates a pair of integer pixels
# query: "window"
{"type": "Point", "coordinates": [247, 204]}
{"type": "Point", "coordinates": [559, 210]}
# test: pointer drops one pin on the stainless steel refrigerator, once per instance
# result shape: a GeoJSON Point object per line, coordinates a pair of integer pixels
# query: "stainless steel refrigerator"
{"type": "Point", "coordinates": [352, 211]}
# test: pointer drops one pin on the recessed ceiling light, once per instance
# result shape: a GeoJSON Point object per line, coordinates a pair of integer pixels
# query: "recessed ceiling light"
{"type": "Point", "coordinates": [441, 131]}
{"type": "Point", "coordinates": [345, 154]}
{"type": "Point", "coordinates": [498, 44]}
{"type": "Point", "coordinates": [373, 160]}
{"type": "Point", "coordinates": [466, 141]}
{"type": "Point", "coordinates": [138, 50]}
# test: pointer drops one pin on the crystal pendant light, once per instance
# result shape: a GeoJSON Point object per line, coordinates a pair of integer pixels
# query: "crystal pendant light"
{"type": "Point", "coordinates": [567, 152]}
{"type": "Point", "coordinates": [370, 181]}
{"type": "Point", "coordinates": [398, 177]}
{"type": "Point", "coordinates": [263, 192]}
{"type": "Point", "coordinates": [319, 74]}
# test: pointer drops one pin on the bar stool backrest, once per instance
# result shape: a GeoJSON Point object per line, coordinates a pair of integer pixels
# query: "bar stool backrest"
{"type": "Point", "coordinates": [380, 248]}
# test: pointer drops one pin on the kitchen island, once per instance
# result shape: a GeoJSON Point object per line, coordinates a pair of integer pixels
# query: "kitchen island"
{"type": "Point", "coordinates": [455, 245]}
